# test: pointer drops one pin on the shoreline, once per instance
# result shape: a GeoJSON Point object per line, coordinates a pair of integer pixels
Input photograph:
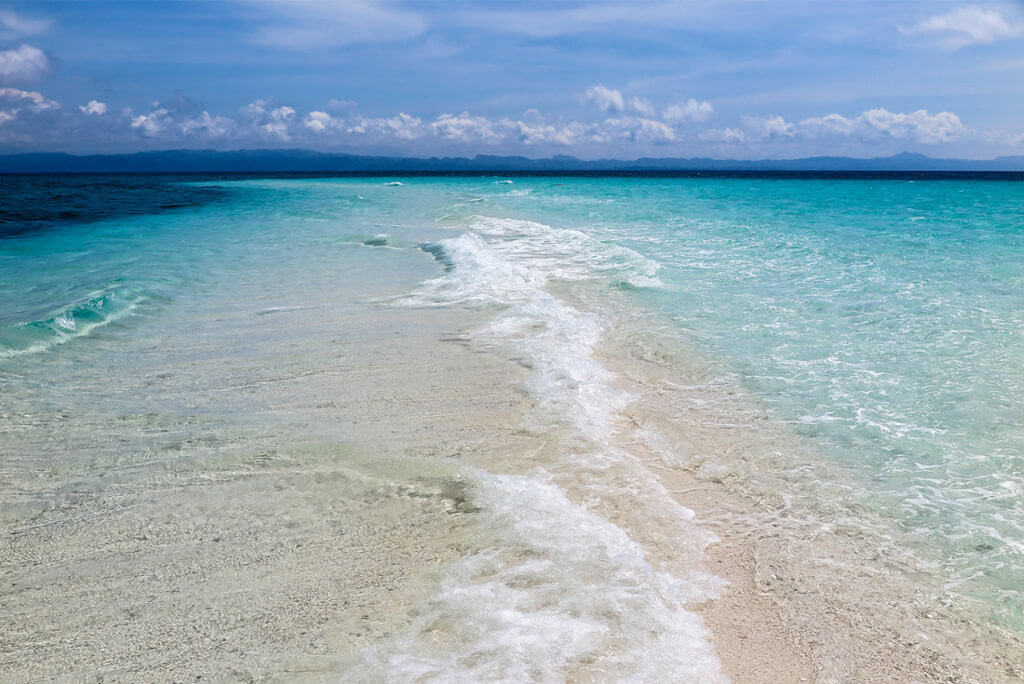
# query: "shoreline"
{"type": "Point", "coordinates": [808, 599]}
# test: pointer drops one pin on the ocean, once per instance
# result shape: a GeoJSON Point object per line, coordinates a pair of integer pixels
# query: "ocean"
{"type": "Point", "coordinates": [515, 416]}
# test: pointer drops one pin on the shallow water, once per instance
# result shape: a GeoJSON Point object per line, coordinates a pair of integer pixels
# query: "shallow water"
{"type": "Point", "coordinates": [879, 321]}
{"type": "Point", "coordinates": [883, 319]}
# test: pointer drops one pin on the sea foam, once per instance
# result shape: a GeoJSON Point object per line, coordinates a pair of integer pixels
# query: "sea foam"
{"type": "Point", "coordinates": [599, 582]}
{"type": "Point", "coordinates": [558, 593]}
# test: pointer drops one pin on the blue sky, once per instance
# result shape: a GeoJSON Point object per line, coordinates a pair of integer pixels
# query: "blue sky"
{"type": "Point", "coordinates": [766, 79]}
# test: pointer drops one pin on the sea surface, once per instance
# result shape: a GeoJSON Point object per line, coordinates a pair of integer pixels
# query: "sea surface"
{"type": "Point", "coordinates": [877, 320]}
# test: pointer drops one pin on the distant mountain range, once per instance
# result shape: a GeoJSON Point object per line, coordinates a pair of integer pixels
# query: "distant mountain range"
{"type": "Point", "coordinates": [309, 161]}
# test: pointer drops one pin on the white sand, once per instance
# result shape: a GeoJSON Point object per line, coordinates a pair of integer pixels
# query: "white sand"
{"type": "Point", "coordinates": [291, 494]}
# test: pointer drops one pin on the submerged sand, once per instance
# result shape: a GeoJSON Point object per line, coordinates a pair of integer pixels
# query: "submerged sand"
{"type": "Point", "coordinates": [269, 514]}
{"type": "Point", "coordinates": [268, 519]}
{"type": "Point", "coordinates": [813, 595]}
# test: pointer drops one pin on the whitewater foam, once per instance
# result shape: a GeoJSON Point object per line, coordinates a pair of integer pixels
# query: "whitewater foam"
{"type": "Point", "coordinates": [559, 593]}
{"type": "Point", "coordinates": [599, 562]}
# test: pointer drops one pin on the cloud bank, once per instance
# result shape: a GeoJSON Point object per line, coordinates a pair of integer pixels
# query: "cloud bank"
{"type": "Point", "coordinates": [624, 126]}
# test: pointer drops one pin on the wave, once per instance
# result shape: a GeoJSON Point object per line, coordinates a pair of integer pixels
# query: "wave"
{"type": "Point", "coordinates": [96, 310]}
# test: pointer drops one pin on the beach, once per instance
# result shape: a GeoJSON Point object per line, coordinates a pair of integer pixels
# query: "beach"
{"type": "Point", "coordinates": [455, 430]}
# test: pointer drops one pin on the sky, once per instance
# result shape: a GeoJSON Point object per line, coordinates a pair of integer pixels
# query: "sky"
{"type": "Point", "coordinates": [623, 79]}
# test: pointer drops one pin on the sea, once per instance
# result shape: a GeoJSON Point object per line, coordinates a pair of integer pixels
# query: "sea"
{"type": "Point", "coordinates": [841, 356]}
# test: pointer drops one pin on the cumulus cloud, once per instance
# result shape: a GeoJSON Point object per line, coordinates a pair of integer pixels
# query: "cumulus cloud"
{"type": "Point", "coordinates": [318, 122]}
{"type": "Point", "coordinates": [402, 126]}
{"type": "Point", "coordinates": [971, 25]}
{"type": "Point", "coordinates": [873, 124]}
{"type": "Point", "coordinates": [255, 109]}
{"type": "Point", "coordinates": [275, 129]}
{"type": "Point", "coordinates": [28, 119]}
{"type": "Point", "coordinates": [153, 123]}
{"type": "Point", "coordinates": [641, 105]}
{"type": "Point", "coordinates": [282, 113]}
{"type": "Point", "coordinates": [18, 101]}
{"type": "Point", "coordinates": [465, 128]}
{"type": "Point", "coordinates": [634, 130]}
{"type": "Point", "coordinates": [207, 126]}
{"type": "Point", "coordinates": [265, 121]}
{"type": "Point", "coordinates": [919, 126]}
{"type": "Point", "coordinates": [23, 63]}
{"type": "Point", "coordinates": [724, 135]}
{"type": "Point", "coordinates": [537, 132]}
{"type": "Point", "coordinates": [605, 98]}
{"type": "Point", "coordinates": [94, 107]}
{"type": "Point", "coordinates": [688, 110]}
{"type": "Point", "coordinates": [462, 128]}
{"type": "Point", "coordinates": [769, 127]}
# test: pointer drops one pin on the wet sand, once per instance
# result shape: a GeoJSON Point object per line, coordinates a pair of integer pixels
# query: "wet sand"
{"type": "Point", "coordinates": [811, 597]}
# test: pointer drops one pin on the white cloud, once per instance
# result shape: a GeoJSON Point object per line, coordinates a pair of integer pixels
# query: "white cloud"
{"type": "Point", "coordinates": [919, 126]}
{"type": "Point", "coordinates": [769, 127]}
{"type": "Point", "coordinates": [16, 25]}
{"type": "Point", "coordinates": [264, 122]}
{"type": "Point", "coordinates": [152, 123]}
{"type": "Point", "coordinates": [256, 109]}
{"type": "Point", "coordinates": [31, 98]}
{"type": "Point", "coordinates": [536, 132]}
{"type": "Point", "coordinates": [311, 24]}
{"type": "Point", "coordinates": [94, 107]}
{"type": "Point", "coordinates": [402, 126]}
{"type": "Point", "coordinates": [465, 128]}
{"type": "Point", "coordinates": [606, 99]}
{"type": "Point", "coordinates": [207, 126]}
{"type": "Point", "coordinates": [548, 20]}
{"type": "Point", "coordinates": [641, 105]}
{"type": "Point", "coordinates": [318, 122]}
{"type": "Point", "coordinates": [341, 105]}
{"type": "Point", "coordinates": [971, 25]}
{"type": "Point", "coordinates": [634, 130]}
{"type": "Point", "coordinates": [690, 110]}
{"type": "Point", "coordinates": [282, 114]}
{"type": "Point", "coordinates": [23, 63]}
{"type": "Point", "coordinates": [275, 129]}
{"type": "Point", "coordinates": [724, 135]}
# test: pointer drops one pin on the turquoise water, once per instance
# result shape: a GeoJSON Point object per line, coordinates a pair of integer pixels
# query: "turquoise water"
{"type": "Point", "coordinates": [883, 320]}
